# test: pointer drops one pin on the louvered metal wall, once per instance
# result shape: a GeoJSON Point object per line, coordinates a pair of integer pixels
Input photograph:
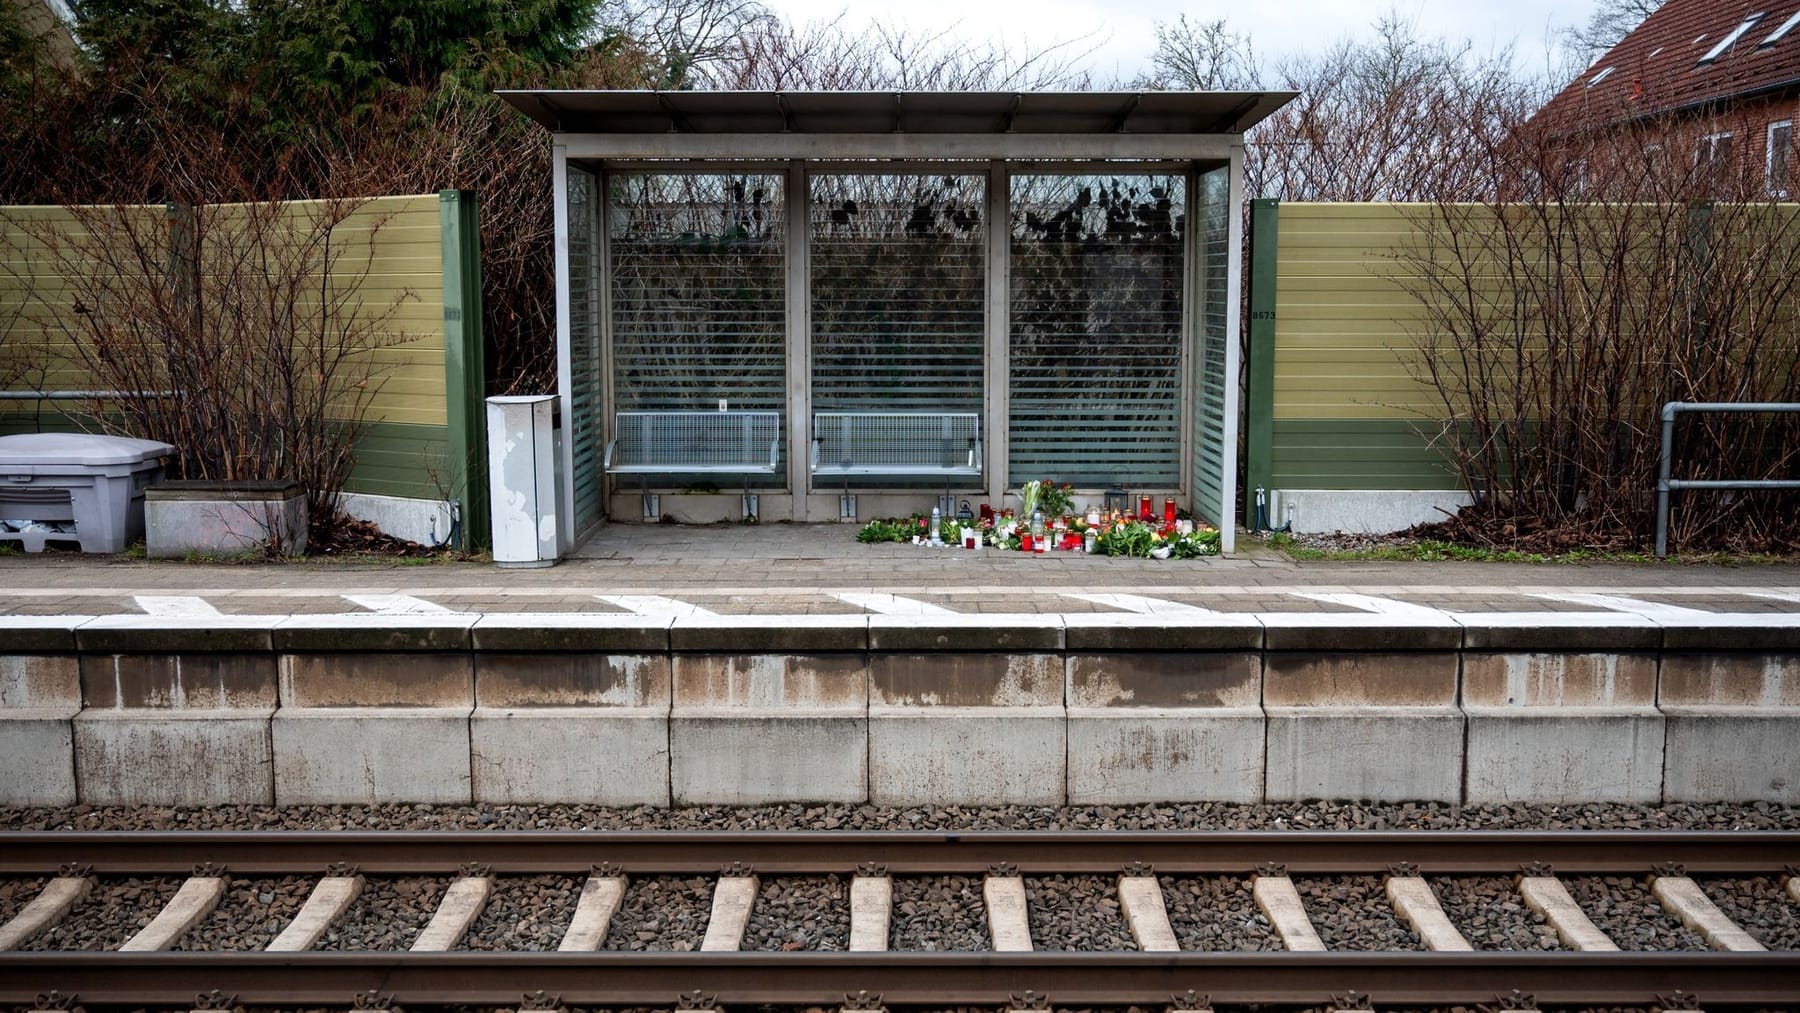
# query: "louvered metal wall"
{"type": "Point", "coordinates": [1212, 207]}
{"type": "Point", "coordinates": [1095, 350]}
{"type": "Point", "coordinates": [698, 295]}
{"type": "Point", "coordinates": [898, 288]}
{"type": "Point", "coordinates": [585, 380]}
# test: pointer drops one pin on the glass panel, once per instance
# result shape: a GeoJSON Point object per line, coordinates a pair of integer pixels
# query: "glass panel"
{"type": "Point", "coordinates": [1211, 456]}
{"type": "Point", "coordinates": [584, 346]}
{"type": "Point", "coordinates": [1095, 346]}
{"type": "Point", "coordinates": [699, 298]}
{"type": "Point", "coordinates": [898, 289]}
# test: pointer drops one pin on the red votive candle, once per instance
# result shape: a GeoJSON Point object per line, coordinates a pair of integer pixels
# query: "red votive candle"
{"type": "Point", "coordinates": [1024, 541]}
{"type": "Point", "coordinates": [1144, 513]}
{"type": "Point", "coordinates": [1168, 511]}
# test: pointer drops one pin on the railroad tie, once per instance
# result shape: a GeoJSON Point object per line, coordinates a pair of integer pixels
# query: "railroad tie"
{"type": "Point", "coordinates": [600, 900]}
{"type": "Point", "coordinates": [198, 895]}
{"type": "Point", "coordinates": [51, 905]}
{"type": "Point", "coordinates": [871, 907]}
{"type": "Point", "coordinates": [1683, 898]}
{"type": "Point", "coordinates": [1279, 902]}
{"type": "Point", "coordinates": [1546, 895]}
{"type": "Point", "coordinates": [326, 904]}
{"type": "Point", "coordinates": [1792, 883]}
{"type": "Point", "coordinates": [733, 898]}
{"type": "Point", "coordinates": [461, 905]}
{"type": "Point", "coordinates": [1146, 914]}
{"type": "Point", "coordinates": [1414, 902]}
{"type": "Point", "coordinates": [1003, 891]}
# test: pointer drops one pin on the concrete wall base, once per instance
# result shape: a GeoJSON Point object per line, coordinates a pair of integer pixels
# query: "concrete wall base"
{"type": "Point", "coordinates": [426, 521]}
{"type": "Point", "coordinates": [967, 756]}
{"type": "Point", "coordinates": [136, 756]}
{"type": "Point", "coordinates": [1381, 754]}
{"type": "Point", "coordinates": [587, 755]}
{"type": "Point", "coordinates": [1583, 754]}
{"type": "Point", "coordinates": [748, 757]}
{"type": "Point", "coordinates": [371, 755]}
{"type": "Point", "coordinates": [37, 752]}
{"type": "Point", "coordinates": [1724, 754]}
{"type": "Point", "coordinates": [1119, 756]}
{"type": "Point", "coordinates": [1372, 513]}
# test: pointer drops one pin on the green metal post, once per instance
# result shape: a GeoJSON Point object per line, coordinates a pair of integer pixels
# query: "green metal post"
{"type": "Point", "coordinates": [464, 373]}
{"type": "Point", "coordinates": [1259, 406]}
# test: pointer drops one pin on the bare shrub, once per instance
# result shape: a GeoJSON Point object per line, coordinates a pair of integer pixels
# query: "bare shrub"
{"type": "Point", "coordinates": [243, 334]}
{"type": "Point", "coordinates": [1557, 325]}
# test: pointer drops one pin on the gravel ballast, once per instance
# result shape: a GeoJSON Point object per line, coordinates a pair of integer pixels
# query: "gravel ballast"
{"type": "Point", "coordinates": [1624, 909]}
{"type": "Point", "coordinates": [1491, 914]}
{"type": "Point", "coordinates": [16, 893]}
{"type": "Point", "coordinates": [1191, 816]}
{"type": "Point", "coordinates": [937, 913]}
{"type": "Point", "coordinates": [525, 913]}
{"type": "Point", "coordinates": [662, 913]}
{"type": "Point", "coordinates": [1353, 913]}
{"type": "Point", "coordinates": [250, 915]}
{"type": "Point", "coordinates": [1075, 913]}
{"type": "Point", "coordinates": [799, 913]}
{"type": "Point", "coordinates": [387, 915]}
{"type": "Point", "coordinates": [1216, 913]}
{"type": "Point", "coordinates": [112, 912]}
{"type": "Point", "coordinates": [1760, 906]}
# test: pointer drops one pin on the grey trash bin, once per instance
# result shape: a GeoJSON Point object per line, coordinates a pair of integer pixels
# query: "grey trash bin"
{"type": "Point", "coordinates": [96, 482]}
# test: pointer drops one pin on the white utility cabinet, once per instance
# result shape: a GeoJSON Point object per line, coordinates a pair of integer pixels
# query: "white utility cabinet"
{"type": "Point", "coordinates": [524, 433]}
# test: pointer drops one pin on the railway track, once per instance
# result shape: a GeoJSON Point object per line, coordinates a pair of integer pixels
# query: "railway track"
{"type": "Point", "coordinates": [1292, 878]}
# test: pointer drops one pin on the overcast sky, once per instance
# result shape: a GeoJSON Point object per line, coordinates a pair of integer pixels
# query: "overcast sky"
{"type": "Point", "coordinates": [1122, 30]}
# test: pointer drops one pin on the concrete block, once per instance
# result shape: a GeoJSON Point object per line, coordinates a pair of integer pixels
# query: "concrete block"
{"type": "Point", "coordinates": [1562, 728]}
{"type": "Point", "coordinates": [1173, 727]}
{"type": "Point", "coordinates": [26, 634]}
{"type": "Point", "coordinates": [225, 518]}
{"type": "Point", "coordinates": [574, 755]}
{"type": "Point", "coordinates": [990, 631]}
{"type": "Point", "coordinates": [762, 757]}
{"type": "Point", "coordinates": [1756, 681]}
{"type": "Point", "coordinates": [1721, 754]}
{"type": "Point", "coordinates": [603, 632]}
{"type": "Point", "coordinates": [1383, 754]}
{"type": "Point", "coordinates": [1353, 679]}
{"type": "Point", "coordinates": [142, 634]}
{"type": "Point", "coordinates": [397, 679]}
{"type": "Point", "coordinates": [179, 681]}
{"type": "Point", "coordinates": [374, 632]}
{"type": "Point", "coordinates": [967, 729]}
{"type": "Point", "coordinates": [37, 752]}
{"type": "Point", "coordinates": [769, 728]}
{"type": "Point", "coordinates": [968, 756]}
{"type": "Point", "coordinates": [366, 755]}
{"type": "Point", "coordinates": [801, 634]}
{"type": "Point", "coordinates": [161, 756]}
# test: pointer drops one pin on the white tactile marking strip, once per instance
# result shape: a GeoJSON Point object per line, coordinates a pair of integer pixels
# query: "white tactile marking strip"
{"type": "Point", "coordinates": [1377, 605]}
{"type": "Point", "coordinates": [1622, 603]}
{"type": "Point", "coordinates": [396, 604]}
{"type": "Point", "coordinates": [1142, 605]}
{"type": "Point", "coordinates": [174, 605]}
{"type": "Point", "coordinates": [891, 604]}
{"type": "Point", "coordinates": [654, 605]}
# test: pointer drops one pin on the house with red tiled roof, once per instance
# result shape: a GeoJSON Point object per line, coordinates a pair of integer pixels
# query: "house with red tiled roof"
{"type": "Point", "coordinates": [1708, 85]}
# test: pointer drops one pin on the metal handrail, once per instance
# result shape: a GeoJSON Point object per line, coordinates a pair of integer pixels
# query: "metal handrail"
{"type": "Point", "coordinates": [1664, 483]}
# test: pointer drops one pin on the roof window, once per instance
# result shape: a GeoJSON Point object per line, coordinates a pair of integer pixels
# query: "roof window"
{"type": "Point", "coordinates": [1776, 36]}
{"type": "Point", "coordinates": [1597, 78]}
{"type": "Point", "coordinates": [1731, 38]}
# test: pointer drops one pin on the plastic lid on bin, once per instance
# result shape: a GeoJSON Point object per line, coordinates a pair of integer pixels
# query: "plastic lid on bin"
{"type": "Point", "coordinates": [78, 449]}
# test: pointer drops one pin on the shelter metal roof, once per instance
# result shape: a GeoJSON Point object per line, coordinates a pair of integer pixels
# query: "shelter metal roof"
{"type": "Point", "coordinates": [846, 112]}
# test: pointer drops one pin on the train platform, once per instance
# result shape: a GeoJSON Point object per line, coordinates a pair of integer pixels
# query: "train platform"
{"type": "Point", "coordinates": [787, 569]}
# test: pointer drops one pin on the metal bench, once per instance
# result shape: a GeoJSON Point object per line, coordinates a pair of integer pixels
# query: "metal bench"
{"type": "Point", "coordinates": [896, 444]}
{"type": "Point", "coordinates": [742, 443]}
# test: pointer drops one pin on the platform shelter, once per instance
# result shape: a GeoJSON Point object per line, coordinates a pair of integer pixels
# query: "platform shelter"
{"type": "Point", "coordinates": [861, 301]}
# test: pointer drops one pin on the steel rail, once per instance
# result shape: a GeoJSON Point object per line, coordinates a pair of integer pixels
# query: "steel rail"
{"type": "Point", "coordinates": [924, 852]}
{"type": "Point", "coordinates": [499, 979]}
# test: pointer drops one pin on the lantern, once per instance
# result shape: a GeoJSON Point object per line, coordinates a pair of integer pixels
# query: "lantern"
{"type": "Point", "coordinates": [1118, 501]}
